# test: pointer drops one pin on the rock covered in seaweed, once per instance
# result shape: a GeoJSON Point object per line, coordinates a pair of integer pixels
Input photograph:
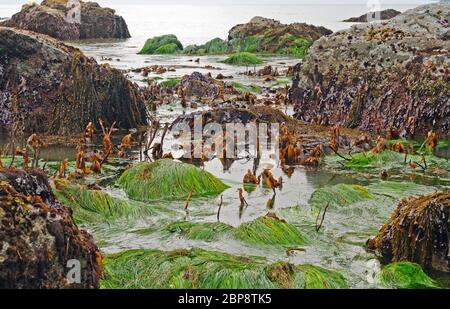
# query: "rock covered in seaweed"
{"type": "Point", "coordinates": [418, 231]}
{"type": "Point", "coordinates": [383, 15]}
{"type": "Point", "coordinates": [268, 35]}
{"type": "Point", "coordinates": [59, 90]}
{"type": "Point", "coordinates": [38, 237]}
{"type": "Point", "coordinates": [165, 44]}
{"type": "Point", "coordinates": [378, 76]}
{"type": "Point", "coordinates": [168, 180]}
{"type": "Point", "coordinates": [199, 85]}
{"type": "Point", "coordinates": [53, 17]}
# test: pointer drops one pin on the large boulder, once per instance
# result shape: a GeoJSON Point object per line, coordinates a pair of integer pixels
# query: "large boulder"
{"type": "Point", "coordinates": [57, 18]}
{"type": "Point", "coordinates": [379, 76]}
{"type": "Point", "coordinates": [39, 242]}
{"type": "Point", "coordinates": [49, 87]}
{"type": "Point", "coordinates": [269, 35]}
{"type": "Point", "coordinates": [419, 232]}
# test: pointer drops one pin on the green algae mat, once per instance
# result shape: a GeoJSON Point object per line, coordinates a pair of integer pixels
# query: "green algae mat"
{"type": "Point", "coordinates": [204, 269]}
{"type": "Point", "coordinates": [168, 180]}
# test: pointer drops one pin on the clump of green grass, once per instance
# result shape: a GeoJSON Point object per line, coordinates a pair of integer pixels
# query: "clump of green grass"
{"type": "Point", "coordinates": [269, 231]}
{"type": "Point", "coordinates": [243, 59]}
{"type": "Point", "coordinates": [338, 195]}
{"type": "Point", "coordinates": [208, 231]}
{"type": "Point", "coordinates": [203, 269]}
{"type": "Point", "coordinates": [97, 206]}
{"type": "Point", "coordinates": [168, 180]}
{"type": "Point", "coordinates": [170, 83]}
{"type": "Point", "coordinates": [406, 275]}
{"type": "Point", "coordinates": [162, 45]}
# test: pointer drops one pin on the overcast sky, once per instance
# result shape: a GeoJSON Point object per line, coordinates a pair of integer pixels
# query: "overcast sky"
{"type": "Point", "coordinates": [363, 2]}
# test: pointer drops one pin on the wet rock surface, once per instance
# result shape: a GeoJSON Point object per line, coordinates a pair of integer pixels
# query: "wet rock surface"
{"type": "Point", "coordinates": [380, 76]}
{"type": "Point", "coordinates": [199, 85]}
{"type": "Point", "coordinates": [418, 231]}
{"type": "Point", "coordinates": [38, 237]}
{"type": "Point", "coordinates": [56, 19]}
{"type": "Point", "coordinates": [49, 87]}
{"type": "Point", "coordinates": [383, 15]}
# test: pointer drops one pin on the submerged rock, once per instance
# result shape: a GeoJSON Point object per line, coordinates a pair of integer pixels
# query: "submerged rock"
{"type": "Point", "coordinates": [376, 77]}
{"type": "Point", "coordinates": [49, 87]}
{"type": "Point", "coordinates": [57, 18]}
{"type": "Point", "coordinates": [169, 180]}
{"type": "Point", "coordinates": [38, 237]}
{"type": "Point", "coordinates": [418, 231]}
{"type": "Point", "coordinates": [383, 15]}
{"type": "Point", "coordinates": [271, 36]}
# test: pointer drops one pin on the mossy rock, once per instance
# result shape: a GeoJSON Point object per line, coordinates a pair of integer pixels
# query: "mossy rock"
{"type": "Point", "coordinates": [243, 59]}
{"type": "Point", "coordinates": [244, 88]}
{"type": "Point", "coordinates": [203, 269]}
{"type": "Point", "coordinates": [91, 206]}
{"type": "Point", "coordinates": [165, 44]}
{"type": "Point", "coordinates": [168, 180]}
{"type": "Point", "coordinates": [215, 46]}
{"type": "Point", "coordinates": [406, 275]}
{"type": "Point", "coordinates": [269, 231]}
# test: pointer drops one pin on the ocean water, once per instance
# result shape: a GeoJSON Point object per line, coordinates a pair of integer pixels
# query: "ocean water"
{"type": "Point", "coordinates": [196, 24]}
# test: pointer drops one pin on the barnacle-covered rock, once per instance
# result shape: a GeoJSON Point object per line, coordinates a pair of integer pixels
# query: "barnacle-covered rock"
{"type": "Point", "coordinates": [380, 76]}
{"type": "Point", "coordinates": [418, 231]}
{"type": "Point", "coordinates": [49, 87]}
{"type": "Point", "coordinates": [39, 242]}
{"type": "Point", "coordinates": [58, 19]}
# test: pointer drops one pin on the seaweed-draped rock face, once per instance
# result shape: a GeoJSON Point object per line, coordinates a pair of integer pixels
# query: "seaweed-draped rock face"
{"type": "Point", "coordinates": [58, 19]}
{"type": "Point", "coordinates": [38, 237]}
{"type": "Point", "coordinates": [378, 76]}
{"type": "Point", "coordinates": [271, 36]}
{"type": "Point", "coordinates": [168, 180]}
{"type": "Point", "coordinates": [164, 44]}
{"type": "Point", "coordinates": [418, 231]}
{"type": "Point", "coordinates": [49, 87]}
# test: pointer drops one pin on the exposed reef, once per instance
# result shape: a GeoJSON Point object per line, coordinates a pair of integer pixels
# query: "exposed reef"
{"type": "Point", "coordinates": [62, 19]}
{"type": "Point", "coordinates": [49, 87]}
{"type": "Point", "coordinates": [376, 77]}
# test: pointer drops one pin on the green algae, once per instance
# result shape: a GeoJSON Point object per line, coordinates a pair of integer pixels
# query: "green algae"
{"type": "Point", "coordinates": [162, 44]}
{"type": "Point", "coordinates": [297, 49]}
{"type": "Point", "coordinates": [243, 59]}
{"type": "Point", "coordinates": [216, 46]}
{"type": "Point", "coordinates": [170, 48]}
{"type": "Point", "coordinates": [170, 83]}
{"type": "Point", "coordinates": [244, 88]}
{"type": "Point", "coordinates": [406, 275]}
{"type": "Point", "coordinates": [91, 206]}
{"type": "Point", "coordinates": [168, 180]}
{"type": "Point", "coordinates": [209, 231]}
{"type": "Point", "coordinates": [269, 231]}
{"type": "Point", "coordinates": [203, 269]}
{"type": "Point", "coordinates": [338, 196]}
{"type": "Point", "coordinates": [263, 231]}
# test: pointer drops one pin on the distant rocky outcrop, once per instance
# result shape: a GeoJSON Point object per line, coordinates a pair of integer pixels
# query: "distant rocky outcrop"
{"type": "Point", "coordinates": [393, 74]}
{"type": "Point", "coordinates": [39, 242]}
{"type": "Point", "coordinates": [382, 15]}
{"type": "Point", "coordinates": [49, 87]}
{"type": "Point", "coordinates": [271, 36]}
{"type": "Point", "coordinates": [69, 20]}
